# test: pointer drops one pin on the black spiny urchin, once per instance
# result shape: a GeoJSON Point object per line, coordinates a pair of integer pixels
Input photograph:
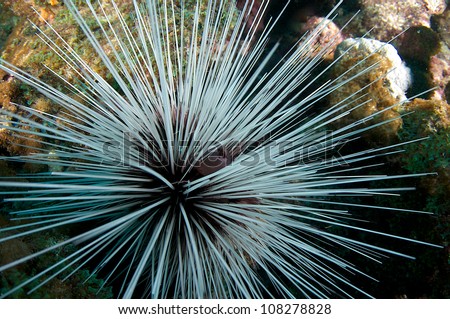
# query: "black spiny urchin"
{"type": "Point", "coordinates": [198, 175]}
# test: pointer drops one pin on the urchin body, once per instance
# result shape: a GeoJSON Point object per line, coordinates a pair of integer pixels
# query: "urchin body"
{"type": "Point", "coordinates": [194, 177]}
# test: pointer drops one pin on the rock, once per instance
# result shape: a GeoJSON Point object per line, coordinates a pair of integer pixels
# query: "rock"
{"type": "Point", "coordinates": [391, 17]}
{"type": "Point", "coordinates": [430, 119]}
{"type": "Point", "coordinates": [419, 43]}
{"type": "Point", "coordinates": [441, 24]}
{"type": "Point", "coordinates": [439, 73]}
{"type": "Point", "coordinates": [328, 38]}
{"type": "Point", "coordinates": [439, 65]}
{"type": "Point", "coordinates": [384, 85]}
{"type": "Point", "coordinates": [7, 23]}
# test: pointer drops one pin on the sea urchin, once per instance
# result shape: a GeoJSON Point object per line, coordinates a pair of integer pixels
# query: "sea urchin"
{"type": "Point", "coordinates": [199, 172]}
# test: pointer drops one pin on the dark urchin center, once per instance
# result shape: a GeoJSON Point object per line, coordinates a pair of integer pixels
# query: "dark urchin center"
{"type": "Point", "coordinates": [181, 176]}
{"type": "Point", "coordinates": [177, 195]}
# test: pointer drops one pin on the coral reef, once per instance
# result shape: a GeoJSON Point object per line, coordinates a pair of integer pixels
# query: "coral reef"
{"type": "Point", "coordinates": [384, 86]}
{"type": "Point", "coordinates": [430, 119]}
{"type": "Point", "coordinates": [328, 39]}
{"type": "Point", "coordinates": [80, 285]}
{"type": "Point", "coordinates": [439, 66]}
{"type": "Point", "coordinates": [387, 19]}
{"type": "Point", "coordinates": [7, 23]}
{"type": "Point", "coordinates": [23, 48]}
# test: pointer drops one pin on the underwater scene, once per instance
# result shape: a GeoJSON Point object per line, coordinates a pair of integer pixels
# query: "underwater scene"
{"type": "Point", "coordinates": [225, 149]}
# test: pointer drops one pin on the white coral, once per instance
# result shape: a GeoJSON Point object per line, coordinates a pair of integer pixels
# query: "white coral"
{"type": "Point", "coordinates": [399, 77]}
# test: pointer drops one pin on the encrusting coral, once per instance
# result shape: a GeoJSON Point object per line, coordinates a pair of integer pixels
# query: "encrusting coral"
{"type": "Point", "coordinates": [383, 87]}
